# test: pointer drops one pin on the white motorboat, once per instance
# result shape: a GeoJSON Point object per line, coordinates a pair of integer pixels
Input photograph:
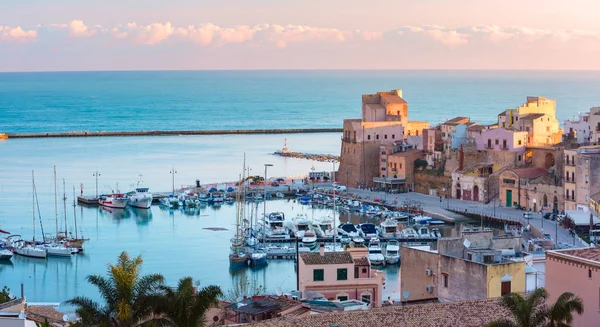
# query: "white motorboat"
{"type": "Point", "coordinates": [358, 241]}
{"type": "Point", "coordinates": [423, 232]}
{"type": "Point", "coordinates": [217, 197]}
{"type": "Point", "coordinates": [280, 250]}
{"type": "Point", "coordinates": [334, 248]}
{"type": "Point", "coordinates": [435, 232]}
{"type": "Point", "coordinates": [274, 226]}
{"type": "Point", "coordinates": [347, 229]}
{"type": "Point", "coordinates": [325, 225]}
{"type": "Point", "coordinates": [408, 233]}
{"type": "Point", "coordinates": [389, 228]}
{"type": "Point", "coordinates": [25, 249]}
{"type": "Point", "coordinates": [367, 231]}
{"type": "Point", "coordinates": [392, 252]}
{"type": "Point", "coordinates": [375, 254]}
{"type": "Point", "coordinates": [280, 195]}
{"type": "Point", "coordinates": [303, 248]}
{"type": "Point", "coordinates": [5, 254]}
{"type": "Point", "coordinates": [141, 198]}
{"type": "Point", "coordinates": [310, 239]}
{"type": "Point", "coordinates": [422, 220]}
{"type": "Point", "coordinates": [57, 250]}
{"type": "Point", "coordinates": [301, 225]}
{"type": "Point", "coordinates": [258, 258]}
{"type": "Point", "coordinates": [116, 200]}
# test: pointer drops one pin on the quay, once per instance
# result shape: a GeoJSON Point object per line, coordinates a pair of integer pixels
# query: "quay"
{"type": "Point", "coordinates": [301, 155]}
{"type": "Point", "coordinates": [178, 133]}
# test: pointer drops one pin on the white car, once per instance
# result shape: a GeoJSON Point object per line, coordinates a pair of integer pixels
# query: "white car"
{"type": "Point", "coordinates": [339, 188]}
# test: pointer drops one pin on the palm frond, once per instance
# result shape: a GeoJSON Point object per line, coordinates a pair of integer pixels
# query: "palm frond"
{"type": "Point", "coordinates": [502, 323]}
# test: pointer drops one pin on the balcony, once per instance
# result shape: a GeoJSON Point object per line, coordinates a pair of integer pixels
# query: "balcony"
{"type": "Point", "coordinates": [570, 163]}
{"type": "Point", "coordinates": [571, 181]}
{"type": "Point", "coordinates": [347, 139]}
{"type": "Point", "coordinates": [489, 147]}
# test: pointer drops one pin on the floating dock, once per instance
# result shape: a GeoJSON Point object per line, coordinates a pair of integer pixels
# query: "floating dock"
{"type": "Point", "coordinates": [171, 133]}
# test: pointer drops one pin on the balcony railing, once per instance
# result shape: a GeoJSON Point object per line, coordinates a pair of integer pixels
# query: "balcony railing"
{"type": "Point", "coordinates": [569, 163]}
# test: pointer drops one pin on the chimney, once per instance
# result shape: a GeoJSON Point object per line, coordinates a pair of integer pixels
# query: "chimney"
{"type": "Point", "coordinates": [461, 158]}
{"type": "Point", "coordinates": [322, 250]}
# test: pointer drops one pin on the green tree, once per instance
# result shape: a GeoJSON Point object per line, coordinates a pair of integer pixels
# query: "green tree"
{"type": "Point", "coordinates": [531, 311]}
{"type": "Point", "coordinates": [131, 300]}
{"type": "Point", "coordinates": [185, 306]}
{"type": "Point", "coordinates": [5, 295]}
{"type": "Point", "coordinates": [243, 287]}
{"type": "Point", "coordinates": [560, 313]}
{"type": "Point", "coordinates": [43, 324]}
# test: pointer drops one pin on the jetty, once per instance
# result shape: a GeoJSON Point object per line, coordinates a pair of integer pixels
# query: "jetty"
{"type": "Point", "coordinates": [285, 152]}
{"type": "Point", "coordinates": [172, 133]}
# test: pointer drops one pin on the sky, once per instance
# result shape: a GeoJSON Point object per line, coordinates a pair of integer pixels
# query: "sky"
{"type": "Point", "coordinates": [74, 35]}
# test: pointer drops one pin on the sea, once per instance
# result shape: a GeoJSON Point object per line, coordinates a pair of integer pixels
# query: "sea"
{"type": "Point", "coordinates": [177, 243]}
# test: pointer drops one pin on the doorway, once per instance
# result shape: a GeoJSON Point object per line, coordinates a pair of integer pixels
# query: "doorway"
{"type": "Point", "coordinates": [476, 193]}
{"type": "Point", "coordinates": [509, 198]}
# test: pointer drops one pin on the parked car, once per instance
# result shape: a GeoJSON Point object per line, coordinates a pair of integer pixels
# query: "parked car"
{"type": "Point", "coordinates": [547, 215]}
{"type": "Point", "coordinates": [340, 188]}
{"type": "Point", "coordinates": [547, 236]}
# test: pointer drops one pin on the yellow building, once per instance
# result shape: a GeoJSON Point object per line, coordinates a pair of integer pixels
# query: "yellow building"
{"type": "Point", "coordinates": [3, 136]}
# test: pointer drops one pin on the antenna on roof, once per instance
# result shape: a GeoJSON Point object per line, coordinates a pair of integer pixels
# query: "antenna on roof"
{"type": "Point", "coordinates": [278, 291]}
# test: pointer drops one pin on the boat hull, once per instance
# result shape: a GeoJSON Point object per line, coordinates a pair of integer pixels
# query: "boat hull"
{"type": "Point", "coordinates": [5, 255]}
{"type": "Point", "coordinates": [238, 261]}
{"type": "Point", "coordinates": [140, 203]}
{"type": "Point", "coordinates": [392, 260]}
{"type": "Point", "coordinates": [258, 259]}
{"type": "Point", "coordinates": [31, 252]}
{"type": "Point", "coordinates": [114, 203]}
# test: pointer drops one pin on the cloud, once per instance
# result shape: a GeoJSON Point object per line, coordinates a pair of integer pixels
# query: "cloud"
{"type": "Point", "coordinates": [17, 34]}
{"type": "Point", "coordinates": [148, 34]}
{"type": "Point", "coordinates": [78, 29]}
{"type": "Point", "coordinates": [370, 36]}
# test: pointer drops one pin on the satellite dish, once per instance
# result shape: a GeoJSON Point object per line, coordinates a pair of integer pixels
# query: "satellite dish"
{"type": "Point", "coordinates": [65, 318]}
{"type": "Point", "coordinates": [278, 291]}
{"type": "Point", "coordinates": [467, 243]}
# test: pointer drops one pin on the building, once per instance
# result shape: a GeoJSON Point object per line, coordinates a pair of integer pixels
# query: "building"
{"type": "Point", "coordinates": [478, 182]}
{"type": "Point", "coordinates": [537, 117]}
{"type": "Point", "coordinates": [594, 121]}
{"type": "Point", "coordinates": [579, 129]}
{"type": "Point", "coordinates": [397, 165]}
{"type": "Point", "coordinates": [432, 145]}
{"type": "Point", "coordinates": [581, 176]}
{"type": "Point", "coordinates": [259, 308]}
{"type": "Point", "coordinates": [319, 175]}
{"type": "Point", "coordinates": [415, 128]}
{"type": "Point", "coordinates": [340, 276]}
{"type": "Point", "coordinates": [476, 265]}
{"type": "Point", "coordinates": [465, 314]}
{"type": "Point", "coordinates": [532, 188]}
{"type": "Point", "coordinates": [448, 128]}
{"type": "Point", "coordinates": [576, 271]}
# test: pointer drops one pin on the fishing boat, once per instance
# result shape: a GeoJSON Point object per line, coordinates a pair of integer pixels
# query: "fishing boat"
{"type": "Point", "coordinates": [115, 200]}
{"type": "Point", "coordinates": [310, 239]}
{"type": "Point", "coordinates": [392, 252]}
{"type": "Point", "coordinates": [141, 199]}
{"type": "Point", "coordinates": [375, 254]}
{"type": "Point", "coordinates": [217, 197]}
{"type": "Point", "coordinates": [389, 228]}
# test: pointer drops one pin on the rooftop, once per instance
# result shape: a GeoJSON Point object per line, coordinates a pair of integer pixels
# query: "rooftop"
{"type": "Point", "coordinates": [532, 116]}
{"type": "Point", "coordinates": [392, 98]}
{"type": "Point", "coordinates": [364, 261]}
{"type": "Point", "coordinates": [528, 173]}
{"type": "Point", "coordinates": [328, 258]}
{"type": "Point", "coordinates": [466, 314]}
{"type": "Point", "coordinates": [456, 121]}
{"type": "Point", "coordinates": [592, 254]}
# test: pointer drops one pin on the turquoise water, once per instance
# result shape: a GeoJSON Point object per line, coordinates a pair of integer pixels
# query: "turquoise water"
{"type": "Point", "coordinates": [176, 100]}
{"type": "Point", "coordinates": [175, 244]}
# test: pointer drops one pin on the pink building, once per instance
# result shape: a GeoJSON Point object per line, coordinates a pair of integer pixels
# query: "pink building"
{"type": "Point", "coordinates": [501, 139]}
{"type": "Point", "coordinates": [340, 276]}
{"type": "Point", "coordinates": [576, 271]}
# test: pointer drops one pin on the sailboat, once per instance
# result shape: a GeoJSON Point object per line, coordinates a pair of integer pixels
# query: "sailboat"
{"type": "Point", "coordinates": [28, 249]}
{"type": "Point", "coordinates": [238, 257]}
{"type": "Point", "coordinates": [73, 243]}
{"type": "Point", "coordinates": [53, 247]}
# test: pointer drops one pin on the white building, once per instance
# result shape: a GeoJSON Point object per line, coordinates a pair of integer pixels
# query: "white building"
{"type": "Point", "coordinates": [580, 128]}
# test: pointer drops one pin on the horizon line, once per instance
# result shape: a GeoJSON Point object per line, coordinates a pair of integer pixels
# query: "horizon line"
{"type": "Point", "coordinates": [299, 69]}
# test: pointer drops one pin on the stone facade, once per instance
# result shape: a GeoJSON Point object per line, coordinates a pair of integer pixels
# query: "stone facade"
{"type": "Point", "coordinates": [594, 121]}
{"type": "Point", "coordinates": [397, 166]}
{"type": "Point", "coordinates": [537, 117]}
{"type": "Point", "coordinates": [579, 129]}
{"type": "Point", "coordinates": [531, 188]}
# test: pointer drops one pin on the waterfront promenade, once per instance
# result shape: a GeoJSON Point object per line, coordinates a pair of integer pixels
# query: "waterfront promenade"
{"type": "Point", "coordinates": [432, 204]}
{"type": "Point", "coordinates": [182, 132]}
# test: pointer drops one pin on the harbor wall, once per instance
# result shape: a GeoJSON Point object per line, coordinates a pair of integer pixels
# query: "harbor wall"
{"type": "Point", "coordinates": [166, 133]}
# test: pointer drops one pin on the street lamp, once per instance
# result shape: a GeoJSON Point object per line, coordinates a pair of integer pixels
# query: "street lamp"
{"type": "Point", "coordinates": [265, 201]}
{"type": "Point", "coordinates": [173, 172]}
{"type": "Point", "coordinates": [96, 174]}
{"type": "Point", "coordinates": [312, 178]}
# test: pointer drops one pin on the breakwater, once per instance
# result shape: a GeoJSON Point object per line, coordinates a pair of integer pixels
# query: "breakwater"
{"type": "Point", "coordinates": [311, 156]}
{"type": "Point", "coordinates": [166, 133]}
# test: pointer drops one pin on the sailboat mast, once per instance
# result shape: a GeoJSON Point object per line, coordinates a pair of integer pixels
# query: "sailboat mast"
{"type": "Point", "coordinates": [75, 212]}
{"type": "Point", "coordinates": [65, 208]}
{"type": "Point", "coordinates": [55, 202]}
{"type": "Point", "coordinates": [33, 202]}
{"type": "Point", "coordinates": [334, 228]}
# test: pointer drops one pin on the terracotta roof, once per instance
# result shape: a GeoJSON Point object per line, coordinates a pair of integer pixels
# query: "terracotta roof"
{"type": "Point", "coordinates": [587, 253]}
{"type": "Point", "coordinates": [328, 258]}
{"type": "Point", "coordinates": [465, 314]}
{"type": "Point", "coordinates": [364, 261]}
{"type": "Point", "coordinates": [475, 128]}
{"type": "Point", "coordinates": [502, 114]}
{"type": "Point", "coordinates": [528, 173]}
{"type": "Point", "coordinates": [392, 98]}
{"type": "Point", "coordinates": [41, 313]}
{"type": "Point", "coordinates": [532, 116]}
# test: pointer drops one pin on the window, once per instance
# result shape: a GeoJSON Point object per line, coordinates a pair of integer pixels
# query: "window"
{"type": "Point", "coordinates": [509, 181]}
{"type": "Point", "coordinates": [488, 259]}
{"type": "Point", "coordinates": [385, 136]}
{"type": "Point", "coordinates": [382, 168]}
{"type": "Point", "coordinates": [470, 256]}
{"type": "Point", "coordinates": [377, 137]}
{"type": "Point", "coordinates": [527, 128]}
{"type": "Point", "coordinates": [519, 156]}
{"type": "Point", "coordinates": [342, 298]}
{"type": "Point", "coordinates": [503, 124]}
{"type": "Point", "coordinates": [364, 270]}
{"type": "Point", "coordinates": [589, 273]}
{"type": "Point", "coordinates": [519, 142]}
{"type": "Point", "coordinates": [366, 298]}
{"type": "Point", "coordinates": [368, 137]}
{"type": "Point", "coordinates": [443, 134]}
{"type": "Point", "coordinates": [572, 194]}
{"type": "Point", "coordinates": [587, 179]}
{"type": "Point", "coordinates": [497, 142]}
{"type": "Point", "coordinates": [489, 143]}
{"type": "Point", "coordinates": [342, 274]}
{"type": "Point", "coordinates": [417, 132]}
{"type": "Point", "coordinates": [383, 152]}
{"type": "Point", "coordinates": [393, 136]}
{"type": "Point", "coordinates": [547, 128]}
{"type": "Point", "coordinates": [400, 166]}
{"type": "Point", "coordinates": [505, 288]}
{"type": "Point", "coordinates": [355, 272]}
{"type": "Point", "coordinates": [318, 275]}
{"type": "Point", "coordinates": [445, 280]}
{"type": "Point", "coordinates": [587, 161]}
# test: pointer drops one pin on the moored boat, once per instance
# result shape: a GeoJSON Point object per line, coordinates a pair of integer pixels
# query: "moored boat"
{"type": "Point", "coordinates": [258, 258]}
{"type": "Point", "coordinates": [392, 252]}
{"type": "Point", "coordinates": [310, 239]}
{"type": "Point", "coordinates": [389, 228]}
{"type": "Point", "coordinates": [375, 254]}
{"type": "Point", "coordinates": [5, 254]}
{"type": "Point", "coordinates": [141, 198]}
{"type": "Point", "coordinates": [116, 200]}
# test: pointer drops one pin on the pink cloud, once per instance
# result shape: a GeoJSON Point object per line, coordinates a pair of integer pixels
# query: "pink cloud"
{"type": "Point", "coordinates": [17, 34]}
{"type": "Point", "coordinates": [148, 34]}
{"type": "Point", "coordinates": [78, 29]}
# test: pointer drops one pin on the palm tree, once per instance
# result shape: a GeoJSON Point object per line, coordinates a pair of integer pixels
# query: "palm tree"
{"type": "Point", "coordinates": [560, 313]}
{"type": "Point", "coordinates": [533, 312]}
{"type": "Point", "coordinates": [43, 324]}
{"type": "Point", "coordinates": [526, 312]}
{"type": "Point", "coordinates": [185, 306]}
{"type": "Point", "coordinates": [130, 299]}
